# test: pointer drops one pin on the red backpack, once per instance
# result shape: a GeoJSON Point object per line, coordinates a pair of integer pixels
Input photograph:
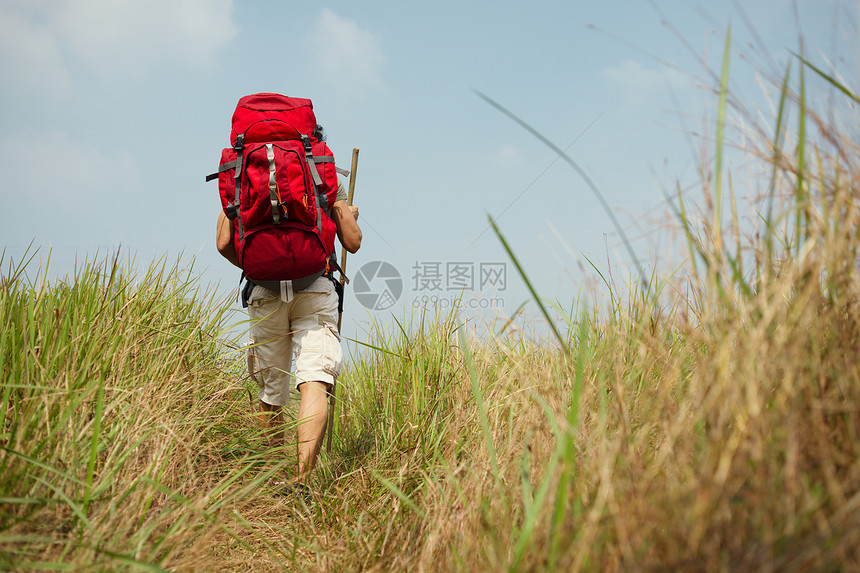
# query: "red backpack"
{"type": "Point", "coordinates": [277, 183]}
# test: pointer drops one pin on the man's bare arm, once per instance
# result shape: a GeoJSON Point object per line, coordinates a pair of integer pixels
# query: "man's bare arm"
{"type": "Point", "coordinates": [224, 239]}
{"type": "Point", "coordinates": [346, 219]}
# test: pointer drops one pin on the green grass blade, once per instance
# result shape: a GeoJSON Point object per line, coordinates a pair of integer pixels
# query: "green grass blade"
{"type": "Point", "coordinates": [720, 141]}
{"type": "Point", "coordinates": [531, 288]}
{"type": "Point", "coordinates": [693, 246]}
{"type": "Point", "coordinates": [374, 347]}
{"type": "Point", "coordinates": [802, 218]}
{"type": "Point", "coordinates": [568, 474]}
{"type": "Point", "coordinates": [76, 509]}
{"type": "Point", "coordinates": [531, 519]}
{"type": "Point", "coordinates": [407, 501]}
{"type": "Point", "coordinates": [612, 300]}
{"type": "Point", "coordinates": [132, 562]}
{"type": "Point", "coordinates": [775, 162]}
{"type": "Point", "coordinates": [736, 228]}
{"type": "Point", "coordinates": [581, 172]}
{"type": "Point", "coordinates": [46, 566]}
{"type": "Point", "coordinates": [479, 402]}
{"type": "Point", "coordinates": [513, 317]}
{"type": "Point", "coordinates": [94, 444]}
{"type": "Point", "coordinates": [838, 85]}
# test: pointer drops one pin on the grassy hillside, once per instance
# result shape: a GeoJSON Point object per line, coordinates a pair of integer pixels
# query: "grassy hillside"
{"type": "Point", "coordinates": [708, 422]}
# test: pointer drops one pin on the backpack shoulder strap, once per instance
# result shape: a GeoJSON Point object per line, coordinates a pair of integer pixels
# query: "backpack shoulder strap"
{"type": "Point", "coordinates": [328, 159]}
{"type": "Point", "coordinates": [316, 180]}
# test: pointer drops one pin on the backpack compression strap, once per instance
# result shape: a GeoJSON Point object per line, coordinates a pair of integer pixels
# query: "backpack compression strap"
{"type": "Point", "coordinates": [328, 159]}
{"type": "Point", "coordinates": [232, 211]}
{"type": "Point", "coordinates": [316, 180]}
{"type": "Point", "coordinates": [274, 194]}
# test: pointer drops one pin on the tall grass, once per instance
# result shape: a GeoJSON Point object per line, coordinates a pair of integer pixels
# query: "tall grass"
{"type": "Point", "coordinates": [718, 431]}
{"type": "Point", "coordinates": [714, 430]}
{"type": "Point", "coordinates": [111, 402]}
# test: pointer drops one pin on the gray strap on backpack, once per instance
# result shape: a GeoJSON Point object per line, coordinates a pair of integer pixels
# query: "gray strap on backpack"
{"type": "Point", "coordinates": [309, 156]}
{"type": "Point", "coordinates": [328, 159]}
{"type": "Point", "coordinates": [236, 207]}
{"type": "Point", "coordinates": [226, 167]}
{"type": "Point", "coordinates": [273, 185]}
{"type": "Point", "coordinates": [316, 180]}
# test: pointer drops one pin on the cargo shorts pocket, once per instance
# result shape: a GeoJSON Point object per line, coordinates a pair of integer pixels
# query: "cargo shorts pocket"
{"type": "Point", "coordinates": [319, 355]}
{"type": "Point", "coordinates": [254, 366]}
{"type": "Point", "coordinates": [332, 351]}
{"type": "Point", "coordinates": [255, 370]}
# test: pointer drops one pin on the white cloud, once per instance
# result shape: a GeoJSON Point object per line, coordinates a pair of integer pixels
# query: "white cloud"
{"type": "Point", "coordinates": [39, 39]}
{"type": "Point", "coordinates": [68, 195]}
{"type": "Point", "coordinates": [505, 155]}
{"type": "Point", "coordinates": [350, 57]}
{"type": "Point", "coordinates": [30, 57]}
{"type": "Point", "coordinates": [129, 35]}
{"type": "Point", "coordinates": [637, 82]}
{"type": "Point", "coordinates": [52, 175]}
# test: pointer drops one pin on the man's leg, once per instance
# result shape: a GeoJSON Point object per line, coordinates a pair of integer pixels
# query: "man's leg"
{"type": "Point", "coordinates": [318, 360]}
{"type": "Point", "coordinates": [270, 357]}
{"type": "Point", "coordinates": [313, 414]}
{"type": "Point", "coordinates": [271, 420]}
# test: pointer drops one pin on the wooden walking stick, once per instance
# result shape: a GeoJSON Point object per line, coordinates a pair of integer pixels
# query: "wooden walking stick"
{"type": "Point", "coordinates": [332, 395]}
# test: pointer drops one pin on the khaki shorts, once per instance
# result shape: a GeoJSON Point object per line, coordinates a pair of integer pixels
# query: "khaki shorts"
{"type": "Point", "coordinates": [307, 325]}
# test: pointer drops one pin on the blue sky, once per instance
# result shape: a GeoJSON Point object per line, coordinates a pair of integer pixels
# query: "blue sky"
{"type": "Point", "coordinates": [112, 113]}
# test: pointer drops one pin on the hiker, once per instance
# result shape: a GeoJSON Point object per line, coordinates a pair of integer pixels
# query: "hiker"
{"type": "Point", "coordinates": [306, 325]}
{"type": "Point", "coordinates": [288, 316]}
